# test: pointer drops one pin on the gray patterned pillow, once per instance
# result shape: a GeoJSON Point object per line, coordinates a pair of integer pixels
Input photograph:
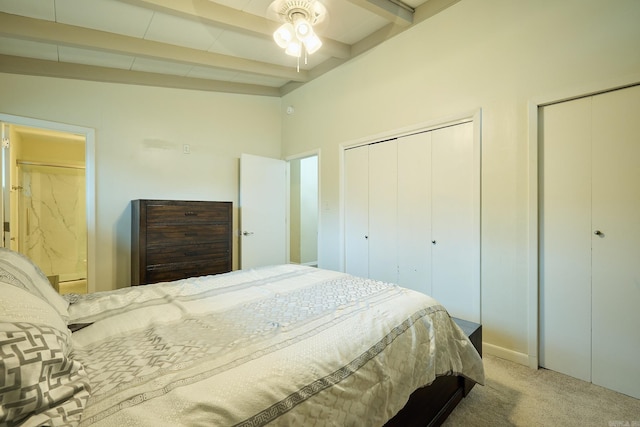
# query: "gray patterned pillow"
{"type": "Point", "coordinates": [18, 270]}
{"type": "Point", "coordinates": [40, 383]}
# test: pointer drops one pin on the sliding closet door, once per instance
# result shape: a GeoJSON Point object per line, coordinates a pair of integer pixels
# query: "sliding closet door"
{"type": "Point", "coordinates": [616, 247]}
{"type": "Point", "coordinates": [383, 211]}
{"type": "Point", "coordinates": [454, 236]}
{"type": "Point", "coordinates": [414, 212]}
{"type": "Point", "coordinates": [356, 199]}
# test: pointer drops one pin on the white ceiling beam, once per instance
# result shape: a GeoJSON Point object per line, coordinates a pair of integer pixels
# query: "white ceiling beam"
{"type": "Point", "coordinates": [227, 17]}
{"type": "Point", "coordinates": [388, 10]}
{"type": "Point", "coordinates": [431, 8]}
{"type": "Point", "coordinates": [40, 67]}
{"type": "Point", "coordinates": [55, 33]}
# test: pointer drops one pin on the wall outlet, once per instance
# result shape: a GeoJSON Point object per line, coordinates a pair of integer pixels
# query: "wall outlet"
{"type": "Point", "coordinates": [186, 149]}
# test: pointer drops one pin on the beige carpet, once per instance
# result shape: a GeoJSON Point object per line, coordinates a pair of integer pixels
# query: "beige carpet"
{"type": "Point", "coordinates": [515, 395]}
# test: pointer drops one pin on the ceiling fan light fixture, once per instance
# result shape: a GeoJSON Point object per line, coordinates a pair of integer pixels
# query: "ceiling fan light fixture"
{"type": "Point", "coordinates": [312, 44]}
{"type": "Point", "coordinates": [296, 35]}
{"type": "Point", "coordinates": [303, 28]}
{"type": "Point", "coordinates": [284, 35]}
{"type": "Point", "coordinates": [294, 48]}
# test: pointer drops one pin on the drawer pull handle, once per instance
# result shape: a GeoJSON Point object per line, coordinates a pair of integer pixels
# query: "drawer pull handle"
{"type": "Point", "coordinates": [190, 234]}
{"type": "Point", "coordinates": [191, 213]}
{"type": "Point", "coordinates": [190, 253]}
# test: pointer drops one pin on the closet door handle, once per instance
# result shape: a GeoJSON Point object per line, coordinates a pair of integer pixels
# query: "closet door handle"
{"type": "Point", "coordinates": [598, 233]}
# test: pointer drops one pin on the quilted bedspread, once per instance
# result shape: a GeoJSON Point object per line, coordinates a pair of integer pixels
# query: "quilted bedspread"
{"type": "Point", "coordinates": [286, 345]}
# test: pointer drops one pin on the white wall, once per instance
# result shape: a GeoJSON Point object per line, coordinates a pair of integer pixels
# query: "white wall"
{"type": "Point", "coordinates": [140, 132]}
{"type": "Point", "coordinates": [496, 55]}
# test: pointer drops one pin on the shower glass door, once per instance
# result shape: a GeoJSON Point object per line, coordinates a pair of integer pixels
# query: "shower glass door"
{"type": "Point", "coordinates": [52, 219]}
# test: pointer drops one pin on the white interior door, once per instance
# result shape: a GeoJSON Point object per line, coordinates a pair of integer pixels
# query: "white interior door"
{"type": "Point", "coordinates": [590, 239]}
{"type": "Point", "coordinates": [263, 233]}
{"type": "Point", "coordinates": [417, 200]}
{"type": "Point", "coordinates": [6, 184]}
{"type": "Point", "coordinates": [453, 237]}
{"type": "Point", "coordinates": [383, 211]}
{"type": "Point", "coordinates": [616, 248]}
{"type": "Point", "coordinates": [414, 212]}
{"type": "Point", "coordinates": [356, 201]}
{"type": "Point", "coordinates": [565, 239]}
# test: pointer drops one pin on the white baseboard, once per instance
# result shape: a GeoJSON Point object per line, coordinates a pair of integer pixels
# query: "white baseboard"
{"type": "Point", "coordinates": [505, 353]}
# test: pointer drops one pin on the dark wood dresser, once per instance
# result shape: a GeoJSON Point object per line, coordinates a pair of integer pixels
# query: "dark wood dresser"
{"type": "Point", "coordinates": [173, 240]}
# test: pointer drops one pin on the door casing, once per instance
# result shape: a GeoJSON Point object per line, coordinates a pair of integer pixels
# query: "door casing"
{"type": "Point", "coordinates": [531, 358]}
{"type": "Point", "coordinates": [90, 167]}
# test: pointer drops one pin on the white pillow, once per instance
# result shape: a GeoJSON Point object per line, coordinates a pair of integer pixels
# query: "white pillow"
{"type": "Point", "coordinates": [18, 270]}
{"type": "Point", "coordinates": [42, 384]}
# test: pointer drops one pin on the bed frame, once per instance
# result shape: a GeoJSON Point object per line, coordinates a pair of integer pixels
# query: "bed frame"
{"type": "Point", "coordinates": [431, 405]}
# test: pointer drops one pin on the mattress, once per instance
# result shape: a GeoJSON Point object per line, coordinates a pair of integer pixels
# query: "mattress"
{"type": "Point", "coordinates": [281, 345]}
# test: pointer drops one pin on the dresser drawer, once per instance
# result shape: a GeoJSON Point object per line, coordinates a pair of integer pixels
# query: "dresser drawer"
{"type": "Point", "coordinates": [186, 253]}
{"type": "Point", "coordinates": [171, 234]}
{"type": "Point", "coordinates": [181, 270]}
{"type": "Point", "coordinates": [179, 213]}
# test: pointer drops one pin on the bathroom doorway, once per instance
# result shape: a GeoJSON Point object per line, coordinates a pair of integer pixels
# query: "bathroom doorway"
{"type": "Point", "coordinates": [303, 210]}
{"type": "Point", "coordinates": [45, 202]}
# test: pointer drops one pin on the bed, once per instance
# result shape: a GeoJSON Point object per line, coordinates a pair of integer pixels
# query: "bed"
{"type": "Point", "coordinates": [282, 345]}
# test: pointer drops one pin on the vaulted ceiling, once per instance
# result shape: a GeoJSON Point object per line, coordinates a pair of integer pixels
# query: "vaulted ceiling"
{"type": "Point", "coordinates": [216, 45]}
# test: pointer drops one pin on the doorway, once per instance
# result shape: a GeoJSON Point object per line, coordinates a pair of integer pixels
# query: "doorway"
{"type": "Point", "coordinates": [303, 210]}
{"type": "Point", "coordinates": [47, 199]}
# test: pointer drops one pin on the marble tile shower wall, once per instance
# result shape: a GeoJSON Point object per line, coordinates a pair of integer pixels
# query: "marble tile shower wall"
{"type": "Point", "coordinates": [53, 220]}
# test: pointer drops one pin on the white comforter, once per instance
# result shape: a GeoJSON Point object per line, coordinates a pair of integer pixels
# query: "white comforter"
{"type": "Point", "coordinates": [287, 345]}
